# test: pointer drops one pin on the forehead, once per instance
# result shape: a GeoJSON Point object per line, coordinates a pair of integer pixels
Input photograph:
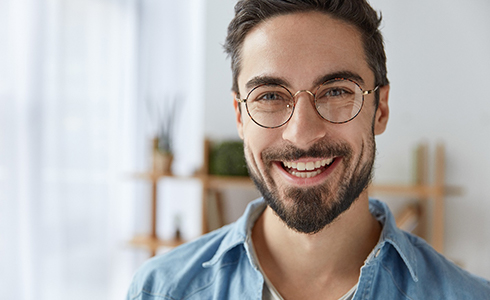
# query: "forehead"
{"type": "Point", "coordinates": [302, 47]}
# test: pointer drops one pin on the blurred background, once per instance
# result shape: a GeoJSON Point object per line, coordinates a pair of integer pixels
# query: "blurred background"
{"type": "Point", "coordinates": [87, 85]}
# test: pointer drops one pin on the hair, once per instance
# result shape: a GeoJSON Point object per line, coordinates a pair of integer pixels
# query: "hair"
{"type": "Point", "coordinates": [249, 13]}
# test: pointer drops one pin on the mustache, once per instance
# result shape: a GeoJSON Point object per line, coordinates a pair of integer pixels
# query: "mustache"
{"type": "Point", "coordinates": [320, 149]}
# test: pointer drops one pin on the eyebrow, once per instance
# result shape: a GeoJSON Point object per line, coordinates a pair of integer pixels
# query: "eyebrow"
{"type": "Point", "coordinates": [342, 74]}
{"type": "Point", "coordinates": [260, 80]}
{"type": "Point", "coordinates": [265, 79]}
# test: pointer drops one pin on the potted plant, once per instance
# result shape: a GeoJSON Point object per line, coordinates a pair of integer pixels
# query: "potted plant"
{"type": "Point", "coordinates": [163, 142]}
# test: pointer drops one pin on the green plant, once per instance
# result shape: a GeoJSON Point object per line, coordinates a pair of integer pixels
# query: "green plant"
{"type": "Point", "coordinates": [227, 159]}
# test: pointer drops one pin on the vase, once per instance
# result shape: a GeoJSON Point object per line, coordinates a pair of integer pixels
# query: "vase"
{"type": "Point", "coordinates": [162, 162]}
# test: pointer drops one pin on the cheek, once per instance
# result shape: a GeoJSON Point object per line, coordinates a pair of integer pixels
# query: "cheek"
{"type": "Point", "coordinates": [364, 144]}
{"type": "Point", "coordinates": [358, 134]}
{"type": "Point", "coordinates": [257, 139]}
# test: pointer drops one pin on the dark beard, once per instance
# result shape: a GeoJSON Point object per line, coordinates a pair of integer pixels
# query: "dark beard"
{"type": "Point", "coordinates": [316, 207]}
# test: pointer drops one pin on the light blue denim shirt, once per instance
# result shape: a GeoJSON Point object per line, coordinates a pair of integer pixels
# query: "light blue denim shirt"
{"type": "Point", "coordinates": [219, 266]}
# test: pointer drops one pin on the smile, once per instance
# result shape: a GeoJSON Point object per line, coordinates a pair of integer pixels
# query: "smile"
{"type": "Point", "coordinates": [307, 169]}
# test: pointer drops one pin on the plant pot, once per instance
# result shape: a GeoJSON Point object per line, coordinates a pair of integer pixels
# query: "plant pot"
{"type": "Point", "coordinates": [162, 162]}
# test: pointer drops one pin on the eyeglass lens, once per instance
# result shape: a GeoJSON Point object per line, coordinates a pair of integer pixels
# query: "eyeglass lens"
{"type": "Point", "coordinates": [337, 101]}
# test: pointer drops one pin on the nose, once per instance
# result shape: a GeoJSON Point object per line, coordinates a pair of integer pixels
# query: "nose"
{"type": "Point", "coordinates": [305, 126]}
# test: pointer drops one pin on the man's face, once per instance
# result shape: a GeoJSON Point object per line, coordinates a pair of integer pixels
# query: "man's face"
{"type": "Point", "coordinates": [300, 50]}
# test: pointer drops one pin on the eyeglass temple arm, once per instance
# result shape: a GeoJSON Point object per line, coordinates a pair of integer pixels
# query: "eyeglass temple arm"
{"type": "Point", "coordinates": [369, 92]}
{"type": "Point", "coordinates": [240, 100]}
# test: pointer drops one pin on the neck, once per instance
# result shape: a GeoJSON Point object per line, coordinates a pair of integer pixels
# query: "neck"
{"type": "Point", "coordinates": [331, 257]}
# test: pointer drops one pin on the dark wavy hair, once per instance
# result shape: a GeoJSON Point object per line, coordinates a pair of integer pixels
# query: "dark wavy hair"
{"type": "Point", "coordinates": [249, 13]}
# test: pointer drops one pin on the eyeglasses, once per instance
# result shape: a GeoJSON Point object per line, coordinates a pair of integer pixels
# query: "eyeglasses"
{"type": "Point", "coordinates": [337, 100]}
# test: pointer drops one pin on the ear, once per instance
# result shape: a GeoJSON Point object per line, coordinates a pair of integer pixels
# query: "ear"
{"type": "Point", "coordinates": [238, 112]}
{"type": "Point", "coordinates": [383, 111]}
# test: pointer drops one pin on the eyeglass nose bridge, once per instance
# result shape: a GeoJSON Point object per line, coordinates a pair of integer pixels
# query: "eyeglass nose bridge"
{"type": "Point", "coordinates": [312, 99]}
{"type": "Point", "coordinates": [304, 91]}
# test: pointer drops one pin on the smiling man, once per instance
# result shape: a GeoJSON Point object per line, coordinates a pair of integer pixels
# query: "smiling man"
{"type": "Point", "coordinates": [310, 94]}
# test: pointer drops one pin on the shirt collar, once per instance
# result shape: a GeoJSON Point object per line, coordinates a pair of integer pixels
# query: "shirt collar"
{"type": "Point", "coordinates": [392, 235]}
{"type": "Point", "coordinates": [241, 231]}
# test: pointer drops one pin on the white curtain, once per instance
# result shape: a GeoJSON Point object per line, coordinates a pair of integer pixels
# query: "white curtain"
{"type": "Point", "coordinates": [68, 130]}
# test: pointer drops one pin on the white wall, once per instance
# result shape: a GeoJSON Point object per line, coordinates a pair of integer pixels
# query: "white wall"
{"type": "Point", "coordinates": [438, 65]}
{"type": "Point", "coordinates": [439, 68]}
{"type": "Point", "coordinates": [220, 116]}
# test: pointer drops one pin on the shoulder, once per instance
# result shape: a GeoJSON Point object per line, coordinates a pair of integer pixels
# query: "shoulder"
{"type": "Point", "coordinates": [447, 274]}
{"type": "Point", "coordinates": [180, 271]}
{"type": "Point", "coordinates": [411, 267]}
{"type": "Point", "coordinates": [213, 266]}
{"type": "Point", "coordinates": [441, 278]}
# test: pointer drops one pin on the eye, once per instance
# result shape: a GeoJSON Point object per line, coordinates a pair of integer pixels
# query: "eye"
{"type": "Point", "coordinates": [336, 92]}
{"type": "Point", "coordinates": [270, 96]}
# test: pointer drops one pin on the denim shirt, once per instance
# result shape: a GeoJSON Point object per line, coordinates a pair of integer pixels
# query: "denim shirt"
{"type": "Point", "coordinates": [218, 265]}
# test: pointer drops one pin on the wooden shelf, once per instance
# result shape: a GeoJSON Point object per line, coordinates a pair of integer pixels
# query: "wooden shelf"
{"type": "Point", "coordinates": [418, 191]}
{"type": "Point", "coordinates": [219, 182]}
{"type": "Point", "coordinates": [213, 180]}
{"type": "Point", "coordinates": [153, 243]}
{"type": "Point", "coordinates": [151, 176]}
{"type": "Point", "coordinates": [427, 219]}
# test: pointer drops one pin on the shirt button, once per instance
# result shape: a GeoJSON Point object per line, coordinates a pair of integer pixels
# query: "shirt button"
{"type": "Point", "coordinates": [377, 252]}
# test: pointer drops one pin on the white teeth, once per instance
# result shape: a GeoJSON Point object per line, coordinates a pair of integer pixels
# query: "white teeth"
{"type": "Point", "coordinates": [309, 166]}
{"type": "Point", "coordinates": [306, 174]}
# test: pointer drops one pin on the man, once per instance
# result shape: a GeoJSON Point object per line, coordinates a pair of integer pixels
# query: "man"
{"type": "Point", "coordinates": [310, 93]}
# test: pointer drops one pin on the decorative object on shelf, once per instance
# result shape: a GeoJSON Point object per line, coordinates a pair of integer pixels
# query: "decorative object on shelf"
{"type": "Point", "coordinates": [178, 225]}
{"type": "Point", "coordinates": [227, 159]}
{"type": "Point", "coordinates": [164, 113]}
{"type": "Point", "coordinates": [162, 161]}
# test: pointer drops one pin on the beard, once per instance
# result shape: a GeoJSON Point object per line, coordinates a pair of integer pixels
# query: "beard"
{"type": "Point", "coordinates": [313, 208]}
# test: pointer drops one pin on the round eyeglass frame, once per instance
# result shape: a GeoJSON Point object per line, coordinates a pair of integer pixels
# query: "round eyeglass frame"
{"type": "Point", "coordinates": [293, 97]}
